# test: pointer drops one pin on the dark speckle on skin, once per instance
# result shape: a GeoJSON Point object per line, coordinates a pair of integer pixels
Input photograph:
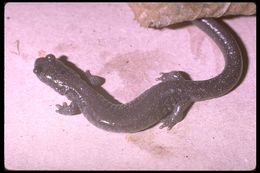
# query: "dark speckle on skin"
{"type": "Point", "coordinates": [166, 102]}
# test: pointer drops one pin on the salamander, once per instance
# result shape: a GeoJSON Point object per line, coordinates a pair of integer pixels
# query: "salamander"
{"type": "Point", "coordinates": [165, 102]}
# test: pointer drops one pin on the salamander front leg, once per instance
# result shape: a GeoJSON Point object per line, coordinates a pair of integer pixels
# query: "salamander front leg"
{"type": "Point", "coordinates": [66, 109]}
{"type": "Point", "coordinates": [94, 80]}
{"type": "Point", "coordinates": [177, 115]}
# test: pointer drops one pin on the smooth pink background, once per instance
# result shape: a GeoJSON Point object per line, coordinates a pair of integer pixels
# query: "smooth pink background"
{"type": "Point", "coordinates": [217, 134]}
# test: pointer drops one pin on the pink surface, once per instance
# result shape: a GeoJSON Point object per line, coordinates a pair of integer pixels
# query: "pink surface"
{"type": "Point", "coordinates": [218, 134]}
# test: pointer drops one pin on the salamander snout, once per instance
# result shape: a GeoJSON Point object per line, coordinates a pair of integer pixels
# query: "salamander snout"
{"type": "Point", "coordinates": [42, 64]}
{"type": "Point", "coordinates": [39, 66]}
{"type": "Point", "coordinates": [37, 69]}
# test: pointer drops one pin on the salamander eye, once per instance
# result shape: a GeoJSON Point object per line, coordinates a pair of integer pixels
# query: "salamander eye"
{"type": "Point", "coordinates": [50, 57]}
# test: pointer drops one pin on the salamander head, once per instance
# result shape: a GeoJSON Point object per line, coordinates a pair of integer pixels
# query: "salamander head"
{"type": "Point", "coordinates": [52, 72]}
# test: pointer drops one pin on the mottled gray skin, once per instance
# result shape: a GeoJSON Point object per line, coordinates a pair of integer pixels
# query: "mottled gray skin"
{"type": "Point", "coordinates": [165, 102]}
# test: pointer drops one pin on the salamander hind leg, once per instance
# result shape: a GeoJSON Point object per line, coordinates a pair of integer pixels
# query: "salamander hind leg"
{"type": "Point", "coordinates": [71, 109]}
{"type": "Point", "coordinates": [176, 116]}
{"type": "Point", "coordinates": [173, 75]}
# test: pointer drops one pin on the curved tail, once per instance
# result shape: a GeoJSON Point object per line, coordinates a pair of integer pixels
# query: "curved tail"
{"type": "Point", "coordinates": [228, 78]}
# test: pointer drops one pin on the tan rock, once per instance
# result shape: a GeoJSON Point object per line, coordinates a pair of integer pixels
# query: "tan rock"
{"type": "Point", "coordinates": [159, 15]}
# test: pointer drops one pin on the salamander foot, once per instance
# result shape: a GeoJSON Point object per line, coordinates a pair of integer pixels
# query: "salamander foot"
{"type": "Point", "coordinates": [66, 109]}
